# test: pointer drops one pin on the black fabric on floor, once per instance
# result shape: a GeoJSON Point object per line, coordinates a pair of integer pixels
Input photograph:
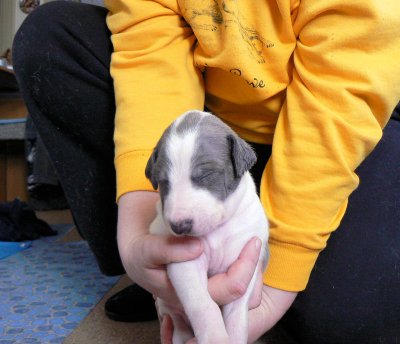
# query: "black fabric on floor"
{"type": "Point", "coordinates": [18, 223]}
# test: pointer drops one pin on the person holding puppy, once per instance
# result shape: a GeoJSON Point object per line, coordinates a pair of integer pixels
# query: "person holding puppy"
{"type": "Point", "coordinates": [311, 85]}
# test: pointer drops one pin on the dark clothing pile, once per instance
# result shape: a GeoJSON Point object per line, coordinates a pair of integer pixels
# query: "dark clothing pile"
{"type": "Point", "coordinates": [19, 223]}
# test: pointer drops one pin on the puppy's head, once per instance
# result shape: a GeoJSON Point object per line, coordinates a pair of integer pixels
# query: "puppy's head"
{"type": "Point", "coordinates": [196, 165]}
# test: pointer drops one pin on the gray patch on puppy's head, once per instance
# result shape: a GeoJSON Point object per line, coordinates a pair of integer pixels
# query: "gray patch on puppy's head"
{"type": "Point", "coordinates": [189, 121]}
{"type": "Point", "coordinates": [158, 166]}
{"type": "Point", "coordinates": [220, 159]}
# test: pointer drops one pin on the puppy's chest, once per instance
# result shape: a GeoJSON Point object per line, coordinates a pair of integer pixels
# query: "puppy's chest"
{"type": "Point", "coordinates": [221, 252]}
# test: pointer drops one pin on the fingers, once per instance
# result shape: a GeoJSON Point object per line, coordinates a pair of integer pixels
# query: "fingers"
{"type": "Point", "coordinates": [158, 283]}
{"type": "Point", "coordinates": [162, 250]}
{"type": "Point", "coordinates": [192, 341]}
{"type": "Point", "coordinates": [149, 254]}
{"type": "Point", "coordinates": [166, 330]}
{"type": "Point", "coordinates": [256, 296]}
{"type": "Point", "coordinates": [158, 251]}
{"type": "Point", "coordinates": [225, 288]}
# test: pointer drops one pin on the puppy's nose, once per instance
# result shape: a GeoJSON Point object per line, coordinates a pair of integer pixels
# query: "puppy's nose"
{"type": "Point", "coordinates": [182, 227]}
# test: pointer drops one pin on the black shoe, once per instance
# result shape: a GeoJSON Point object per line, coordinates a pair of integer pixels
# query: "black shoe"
{"type": "Point", "coordinates": [132, 304]}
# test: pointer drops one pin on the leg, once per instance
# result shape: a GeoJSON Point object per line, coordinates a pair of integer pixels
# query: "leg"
{"type": "Point", "coordinates": [352, 296]}
{"type": "Point", "coordinates": [61, 58]}
{"type": "Point", "coordinates": [190, 282]}
{"type": "Point", "coordinates": [182, 331]}
{"type": "Point", "coordinates": [236, 315]}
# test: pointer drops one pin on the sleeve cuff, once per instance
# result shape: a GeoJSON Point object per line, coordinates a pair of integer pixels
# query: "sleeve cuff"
{"type": "Point", "coordinates": [289, 267]}
{"type": "Point", "coordinates": [130, 169]}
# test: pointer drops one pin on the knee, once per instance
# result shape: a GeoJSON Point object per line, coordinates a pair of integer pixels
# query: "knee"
{"type": "Point", "coordinates": [37, 34]}
{"type": "Point", "coordinates": [342, 320]}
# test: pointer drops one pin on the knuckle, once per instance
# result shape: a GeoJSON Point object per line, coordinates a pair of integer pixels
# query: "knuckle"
{"type": "Point", "coordinates": [151, 252]}
{"type": "Point", "coordinates": [145, 249]}
{"type": "Point", "coordinates": [237, 288]}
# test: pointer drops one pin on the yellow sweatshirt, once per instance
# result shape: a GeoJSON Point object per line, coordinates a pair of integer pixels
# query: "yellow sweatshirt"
{"type": "Point", "coordinates": [317, 79]}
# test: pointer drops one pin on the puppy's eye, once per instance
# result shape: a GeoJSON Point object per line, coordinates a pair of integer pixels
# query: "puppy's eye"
{"type": "Point", "coordinates": [205, 177]}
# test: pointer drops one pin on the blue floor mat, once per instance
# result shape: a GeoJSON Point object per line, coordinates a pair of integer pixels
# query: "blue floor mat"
{"type": "Point", "coordinates": [46, 290]}
{"type": "Point", "coordinates": [9, 248]}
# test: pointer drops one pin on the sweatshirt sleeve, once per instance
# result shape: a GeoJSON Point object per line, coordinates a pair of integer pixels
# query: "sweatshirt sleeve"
{"type": "Point", "coordinates": [155, 80]}
{"type": "Point", "coordinates": [346, 82]}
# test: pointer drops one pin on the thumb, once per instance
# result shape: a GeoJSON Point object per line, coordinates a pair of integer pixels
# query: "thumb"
{"type": "Point", "coordinates": [166, 330]}
{"type": "Point", "coordinates": [161, 250]}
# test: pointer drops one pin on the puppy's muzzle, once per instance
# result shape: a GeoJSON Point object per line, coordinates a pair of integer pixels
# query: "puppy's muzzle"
{"type": "Point", "coordinates": [183, 227]}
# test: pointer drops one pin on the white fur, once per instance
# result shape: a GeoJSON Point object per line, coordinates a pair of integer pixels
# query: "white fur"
{"type": "Point", "coordinates": [224, 227]}
{"type": "Point", "coordinates": [184, 200]}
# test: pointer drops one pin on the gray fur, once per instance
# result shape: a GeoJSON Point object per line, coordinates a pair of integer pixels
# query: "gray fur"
{"type": "Point", "coordinates": [219, 160]}
{"type": "Point", "coordinates": [189, 122]}
{"type": "Point", "coordinates": [157, 167]}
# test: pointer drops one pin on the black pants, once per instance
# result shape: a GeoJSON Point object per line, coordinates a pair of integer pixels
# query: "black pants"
{"type": "Point", "coordinates": [61, 58]}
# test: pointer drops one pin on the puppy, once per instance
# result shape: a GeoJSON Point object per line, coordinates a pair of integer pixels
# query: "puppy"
{"type": "Point", "coordinates": [200, 167]}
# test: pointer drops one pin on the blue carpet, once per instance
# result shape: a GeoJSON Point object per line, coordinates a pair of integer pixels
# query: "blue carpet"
{"type": "Point", "coordinates": [9, 248]}
{"type": "Point", "coordinates": [46, 290]}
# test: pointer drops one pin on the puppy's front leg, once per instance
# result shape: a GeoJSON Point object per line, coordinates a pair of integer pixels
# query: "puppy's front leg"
{"type": "Point", "coordinates": [236, 315]}
{"type": "Point", "coordinates": [190, 282]}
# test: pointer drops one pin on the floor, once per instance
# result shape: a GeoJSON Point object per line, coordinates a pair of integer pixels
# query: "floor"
{"type": "Point", "coordinates": [48, 289]}
{"type": "Point", "coordinates": [96, 328]}
{"type": "Point", "coordinates": [54, 292]}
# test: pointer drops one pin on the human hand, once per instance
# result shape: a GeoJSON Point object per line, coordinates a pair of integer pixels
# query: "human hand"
{"type": "Point", "coordinates": [144, 256]}
{"type": "Point", "coordinates": [274, 304]}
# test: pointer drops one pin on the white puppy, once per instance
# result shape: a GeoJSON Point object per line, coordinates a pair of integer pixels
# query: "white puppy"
{"type": "Point", "coordinates": [200, 167]}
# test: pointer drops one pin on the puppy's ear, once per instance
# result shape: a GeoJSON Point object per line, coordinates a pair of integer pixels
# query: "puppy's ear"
{"type": "Point", "coordinates": [150, 168]}
{"type": "Point", "coordinates": [243, 156]}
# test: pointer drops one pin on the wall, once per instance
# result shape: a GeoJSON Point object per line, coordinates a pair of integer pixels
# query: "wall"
{"type": "Point", "coordinates": [11, 18]}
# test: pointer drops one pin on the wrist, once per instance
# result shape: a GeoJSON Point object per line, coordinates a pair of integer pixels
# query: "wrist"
{"type": "Point", "coordinates": [136, 211]}
{"type": "Point", "coordinates": [274, 304]}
